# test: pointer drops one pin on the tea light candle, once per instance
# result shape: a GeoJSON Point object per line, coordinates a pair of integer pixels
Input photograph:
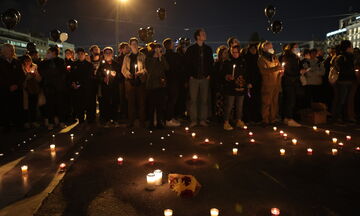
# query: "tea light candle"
{"type": "Point", "coordinates": [275, 128]}
{"type": "Point", "coordinates": [252, 141]}
{"type": "Point", "coordinates": [235, 151]}
{"type": "Point", "coordinates": [151, 161]}
{"type": "Point", "coordinates": [195, 157]}
{"type": "Point", "coordinates": [294, 141]}
{"type": "Point", "coordinates": [251, 133]}
{"type": "Point", "coordinates": [334, 140]}
{"type": "Point", "coordinates": [72, 136]}
{"type": "Point", "coordinates": [281, 133]}
{"type": "Point", "coordinates": [206, 140]}
{"type": "Point", "coordinates": [309, 151]}
{"type": "Point", "coordinates": [327, 132]}
{"type": "Point", "coordinates": [334, 151]}
{"type": "Point", "coordinates": [163, 149]}
{"type": "Point", "coordinates": [315, 128]}
{"type": "Point", "coordinates": [120, 160]}
{"type": "Point", "coordinates": [341, 144]}
{"type": "Point", "coordinates": [348, 138]}
{"type": "Point", "coordinates": [24, 169]}
{"type": "Point", "coordinates": [158, 177]}
{"type": "Point", "coordinates": [132, 132]}
{"type": "Point", "coordinates": [52, 147]}
{"type": "Point", "coordinates": [214, 212]}
{"type": "Point", "coordinates": [168, 212]}
{"type": "Point", "coordinates": [285, 135]}
{"type": "Point", "coordinates": [186, 129]}
{"type": "Point", "coordinates": [357, 149]}
{"type": "Point", "coordinates": [162, 138]}
{"type": "Point", "coordinates": [237, 143]}
{"type": "Point", "coordinates": [150, 178]}
{"type": "Point", "coordinates": [150, 132]}
{"type": "Point", "coordinates": [245, 127]}
{"type": "Point", "coordinates": [193, 135]}
{"type": "Point", "coordinates": [62, 167]}
{"type": "Point", "coordinates": [282, 152]}
{"type": "Point", "coordinates": [275, 211]}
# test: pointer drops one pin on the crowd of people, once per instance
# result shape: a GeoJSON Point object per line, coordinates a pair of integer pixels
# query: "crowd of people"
{"type": "Point", "coordinates": [158, 85]}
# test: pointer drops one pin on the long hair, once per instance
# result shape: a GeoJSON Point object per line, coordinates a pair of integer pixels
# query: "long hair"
{"type": "Point", "coordinates": [220, 51]}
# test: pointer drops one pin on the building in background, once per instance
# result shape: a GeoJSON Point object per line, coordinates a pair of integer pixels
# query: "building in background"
{"type": "Point", "coordinates": [349, 29]}
{"type": "Point", "coordinates": [20, 40]}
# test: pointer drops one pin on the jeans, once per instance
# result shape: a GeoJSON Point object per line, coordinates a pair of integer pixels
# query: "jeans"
{"type": "Point", "coordinates": [342, 91]}
{"type": "Point", "coordinates": [199, 90]}
{"type": "Point", "coordinates": [229, 104]}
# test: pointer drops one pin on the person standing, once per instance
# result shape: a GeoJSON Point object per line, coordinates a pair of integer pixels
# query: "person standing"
{"type": "Point", "coordinates": [199, 62]}
{"type": "Point", "coordinates": [173, 78]}
{"type": "Point", "coordinates": [327, 90]}
{"type": "Point", "coordinates": [124, 49]}
{"type": "Point", "coordinates": [94, 89]}
{"type": "Point", "coordinates": [109, 77]}
{"type": "Point", "coordinates": [156, 83]}
{"type": "Point", "coordinates": [181, 109]}
{"type": "Point", "coordinates": [236, 85]}
{"type": "Point", "coordinates": [271, 71]}
{"type": "Point", "coordinates": [134, 71]}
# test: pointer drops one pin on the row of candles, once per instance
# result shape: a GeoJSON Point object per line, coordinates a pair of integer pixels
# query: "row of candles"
{"type": "Point", "coordinates": [216, 212]}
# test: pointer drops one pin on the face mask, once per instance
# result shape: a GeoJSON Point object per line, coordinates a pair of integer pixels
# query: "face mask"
{"type": "Point", "coordinates": [271, 51]}
{"type": "Point", "coordinates": [296, 51]}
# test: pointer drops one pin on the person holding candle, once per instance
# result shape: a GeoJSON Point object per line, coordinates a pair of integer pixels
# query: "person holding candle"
{"type": "Point", "coordinates": [31, 91]}
{"type": "Point", "coordinates": [94, 95]}
{"type": "Point", "coordinates": [109, 73]}
{"type": "Point", "coordinates": [271, 71]}
{"type": "Point", "coordinates": [134, 71]}
{"type": "Point", "coordinates": [123, 50]}
{"type": "Point", "coordinates": [235, 87]}
{"type": "Point", "coordinates": [156, 84]}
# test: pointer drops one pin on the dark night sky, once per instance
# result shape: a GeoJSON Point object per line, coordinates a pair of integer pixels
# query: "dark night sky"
{"type": "Point", "coordinates": [220, 18]}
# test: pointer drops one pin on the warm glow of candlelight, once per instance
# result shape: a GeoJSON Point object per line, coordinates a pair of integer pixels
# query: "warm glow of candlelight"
{"type": "Point", "coordinates": [275, 211]}
{"type": "Point", "coordinates": [24, 169]}
{"type": "Point", "coordinates": [327, 132]}
{"type": "Point", "coordinates": [294, 141]}
{"type": "Point", "coordinates": [168, 212]}
{"type": "Point", "coordinates": [341, 144]}
{"type": "Point", "coordinates": [62, 166]}
{"type": "Point", "coordinates": [193, 135]}
{"type": "Point", "coordinates": [195, 157]}
{"type": "Point", "coordinates": [251, 133]}
{"type": "Point", "coordinates": [282, 152]}
{"type": "Point", "coordinates": [334, 140]}
{"type": "Point", "coordinates": [281, 132]}
{"type": "Point", "coordinates": [275, 128]}
{"type": "Point", "coordinates": [252, 140]}
{"type": "Point", "coordinates": [150, 178]}
{"type": "Point", "coordinates": [285, 135]}
{"type": "Point", "coordinates": [206, 140]}
{"type": "Point", "coordinates": [245, 127]}
{"type": "Point", "coordinates": [315, 128]}
{"type": "Point", "coordinates": [187, 129]}
{"type": "Point", "coordinates": [52, 147]}
{"type": "Point", "coordinates": [151, 160]}
{"type": "Point", "coordinates": [334, 151]}
{"type": "Point", "coordinates": [309, 151]}
{"type": "Point", "coordinates": [120, 160]}
{"type": "Point", "coordinates": [214, 212]}
{"type": "Point", "coordinates": [235, 151]}
{"type": "Point", "coordinates": [158, 177]}
{"type": "Point", "coordinates": [348, 138]}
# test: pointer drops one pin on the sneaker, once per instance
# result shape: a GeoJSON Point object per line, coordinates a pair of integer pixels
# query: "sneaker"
{"type": "Point", "coordinates": [172, 123]}
{"type": "Point", "coordinates": [50, 127]}
{"type": "Point", "coordinates": [240, 124]}
{"type": "Point", "coordinates": [228, 126]}
{"type": "Point", "coordinates": [193, 124]}
{"type": "Point", "coordinates": [203, 123]}
{"type": "Point", "coordinates": [293, 123]}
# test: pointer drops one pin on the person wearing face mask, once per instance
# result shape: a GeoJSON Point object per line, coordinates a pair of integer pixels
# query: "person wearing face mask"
{"type": "Point", "coordinates": [344, 64]}
{"type": "Point", "coordinates": [54, 78]}
{"type": "Point", "coordinates": [109, 78]}
{"type": "Point", "coordinates": [236, 85]}
{"type": "Point", "coordinates": [271, 71]}
{"type": "Point", "coordinates": [291, 84]}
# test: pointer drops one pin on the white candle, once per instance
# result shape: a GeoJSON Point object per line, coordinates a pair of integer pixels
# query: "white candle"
{"type": "Point", "coordinates": [275, 211]}
{"type": "Point", "coordinates": [150, 178]}
{"type": "Point", "coordinates": [334, 140]}
{"type": "Point", "coordinates": [214, 212]}
{"type": "Point", "coordinates": [193, 135]}
{"type": "Point", "coordinates": [275, 128]}
{"type": "Point", "coordinates": [158, 177]}
{"type": "Point", "coordinates": [327, 132]}
{"type": "Point", "coordinates": [168, 212]}
{"type": "Point", "coordinates": [315, 128]}
{"type": "Point", "coordinates": [309, 151]}
{"type": "Point", "coordinates": [233, 71]}
{"type": "Point", "coordinates": [120, 160]}
{"type": "Point", "coordinates": [334, 151]}
{"type": "Point", "coordinates": [348, 138]}
{"type": "Point", "coordinates": [151, 161]}
{"type": "Point", "coordinates": [24, 169]}
{"type": "Point", "coordinates": [195, 157]}
{"type": "Point", "coordinates": [282, 152]}
{"type": "Point", "coordinates": [235, 151]}
{"type": "Point", "coordinates": [52, 147]}
{"type": "Point", "coordinates": [294, 141]}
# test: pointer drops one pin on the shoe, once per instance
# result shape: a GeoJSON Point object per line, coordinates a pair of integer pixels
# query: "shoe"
{"type": "Point", "coordinates": [240, 124]}
{"type": "Point", "coordinates": [50, 127]}
{"type": "Point", "coordinates": [172, 123]}
{"type": "Point", "coordinates": [193, 124]}
{"type": "Point", "coordinates": [228, 126]}
{"type": "Point", "coordinates": [203, 123]}
{"type": "Point", "coordinates": [293, 123]}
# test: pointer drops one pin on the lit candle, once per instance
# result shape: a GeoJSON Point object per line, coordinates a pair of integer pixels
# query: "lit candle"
{"type": "Point", "coordinates": [120, 160]}
{"type": "Point", "coordinates": [187, 129]}
{"type": "Point", "coordinates": [103, 61]}
{"type": "Point", "coordinates": [233, 71]}
{"type": "Point", "coordinates": [315, 128]}
{"type": "Point", "coordinates": [282, 152]}
{"type": "Point", "coordinates": [237, 143]}
{"type": "Point", "coordinates": [62, 167]}
{"type": "Point", "coordinates": [348, 138]}
{"type": "Point", "coordinates": [252, 141]}
{"type": "Point", "coordinates": [275, 128]}
{"type": "Point", "coordinates": [281, 133]}
{"type": "Point", "coordinates": [195, 157]}
{"type": "Point", "coordinates": [275, 211]}
{"type": "Point", "coordinates": [334, 140]}
{"type": "Point", "coordinates": [163, 149]}
{"type": "Point", "coordinates": [341, 144]}
{"type": "Point", "coordinates": [206, 140]}
{"type": "Point", "coordinates": [245, 127]}
{"type": "Point", "coordinates": [193, 135]}
{"type": "Point", "coordinates": [285, 135]}
{"type": "Point", "coordinates": [294, 141]}
{"type": "Point", "coordinates": [283, 64]}
{"type": "Point", "coordinates": [52, 147]}
{"type": "Point", "coordinates": [214, 212]}
{"type": "Point", "coordinates": [327, 132]}
{"type": "Point", "coordinates": [251, 133]}
{"type": "Point", "coordinates": [309, 151]}
{"type": "Point", "coordinates": [150, 178]}
{"type": "Point", "coordinates": [180, 156]}
{"type": "Point", "coordinates": [168, 212]}
{"type": "Point", "coordinates": [151, 161]}
{"type": "Point", "coordinates": [235, 151]}
{"type": "Point", "coordinates": [334, 151]}
{"type": "Point", "coordinates": [136, 68]}
{"type": "Point", "coordinates": [158, 177]}
{"type": "Point", "coordinates": [68, 67]}
{"type": "Point", "coordinates": [357, 149]}
{"type": "Point", "coordinates": [162, 138]}
{"type": "Point", "coordinates": [24, 169]}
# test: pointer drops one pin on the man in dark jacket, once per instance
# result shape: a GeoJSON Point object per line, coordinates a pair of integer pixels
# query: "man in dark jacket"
{"type": "Point", "coordinates": [173, 76]}
{"type": "Point", "coordinates": [55, 83]}
{"type": "Point", "coordinates": [11, 89]}
{"type": "Point", "coordinates": [199, 63]}
{"type": "Point", "coordinates": [124, 49]}
{"type": "Point", "coordinates": [95, 61]}
{"type": "Point", "coordinates": [81, 77]}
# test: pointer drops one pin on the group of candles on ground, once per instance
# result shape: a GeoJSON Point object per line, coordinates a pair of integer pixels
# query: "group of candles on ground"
{"type": "Point", "coordinates": [216, 212]}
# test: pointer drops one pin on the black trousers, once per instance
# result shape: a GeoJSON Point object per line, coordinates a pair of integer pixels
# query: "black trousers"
{"type": "Point", "coordinates": [56, 105]}
{"type": "Point", "coordinates": [31, 113]}
{"type": "Point", "coordinates": [313, 94]}
{"type": "Point", "coordinates": [12, 108]}
{"type": "Point", "coordinates": [252, 105]}
{"type": "Point", "coordinates": [172, 99]}
{"type": "Point", "coordinates": [156, 103]}
{"type": "Point", "coordinates": [289, 100]}
{"type": "Point", "coordinates": [110, 100]}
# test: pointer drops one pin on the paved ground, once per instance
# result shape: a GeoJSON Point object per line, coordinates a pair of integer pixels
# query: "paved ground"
{"type": "Point", "coordinates": [248, 184]}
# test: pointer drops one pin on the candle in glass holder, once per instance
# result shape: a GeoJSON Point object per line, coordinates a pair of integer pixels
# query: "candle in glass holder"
{"type": "Point", "coordinates": [214, 212]}
{"type": "Point", "coordinates": [24, 169]}
{"type": "Point", "coordinates": [151, 161]}
{"type": "Point", "coordinates": [168, 212]}
{"type": "Point", "coordinates": [72, 136]}
{"type": "Point", "coordinates": [309, 151]}
{"type": "Point", "coordinates": [275, 211]}
{"type": "Point", "coordinates": [275, 128]}
{"type": "Point", "coordinates": [315, 128]}
{"type": "Point", "coordinates": [193, 135]}
{"type": "Point", "coordinates": [150, 178]}
{"type": "Point", "coordinates": [52, 147]}
{"type": "Point", "coordinates": [334, 151]}
{"type": "Point", "coordinates": [327, 132]}
{"type": "Point", "coordinates": [348, 138]}
{"type": "Point", "coordinates": [251, 133]}
{"type": "Point", "coordinates": [282, 152]}
{"type": "Point", "coordinates": [120, 160]}
{"type": "Point", "coordinates": [235, 151]}
{"type": "Point", "coordinates": [158, 177]}
{"type": "Point", "coordinates": [334, 140]}
{"type": "Point", "coordinates": [294, 141]}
